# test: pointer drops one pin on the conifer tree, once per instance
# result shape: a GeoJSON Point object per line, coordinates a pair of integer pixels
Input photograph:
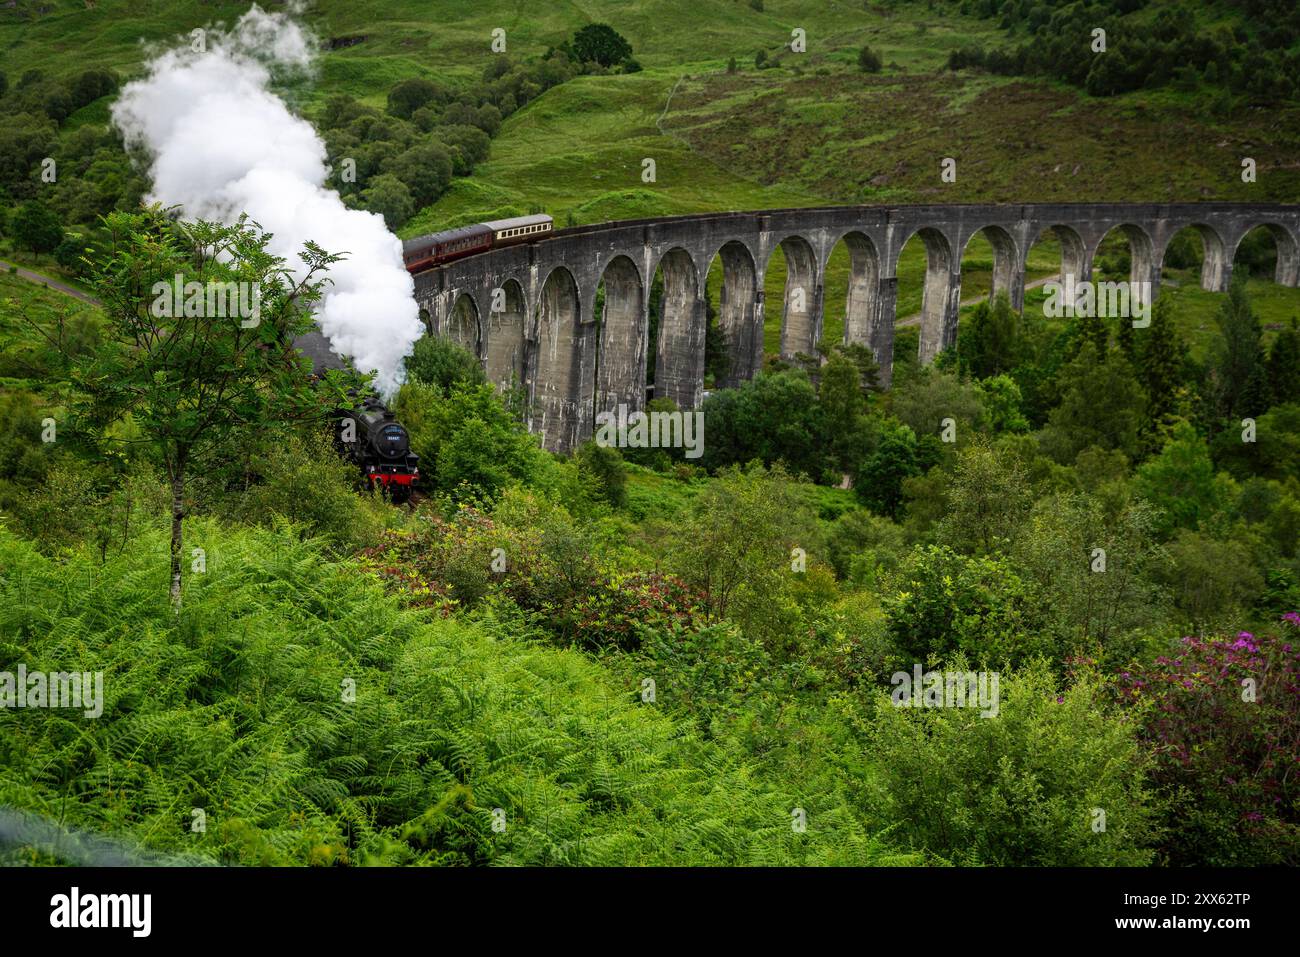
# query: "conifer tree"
{"type": "Point", "coordinates": [1283, 370]}
{"type": "Point", "coordinates": [1127, 339]}
{"type": "Point", "coordinates": [1239, 356]}
{"type": "Point", "coordinates": [1091, 329]}
{"type": "Point", "coordinates": [1158, 363]}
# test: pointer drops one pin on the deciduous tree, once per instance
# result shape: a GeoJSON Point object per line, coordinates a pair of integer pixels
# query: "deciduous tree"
{"type": "Point", "coordinates": [188, 379]}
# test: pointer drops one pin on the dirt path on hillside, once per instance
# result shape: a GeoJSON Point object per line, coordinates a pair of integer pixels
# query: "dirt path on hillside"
{"type": "Point", "coordinates": [42, 280]}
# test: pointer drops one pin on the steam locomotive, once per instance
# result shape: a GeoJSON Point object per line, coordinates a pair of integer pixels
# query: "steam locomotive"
{"type": "Point", "coordinates": [371, 436]}
{"type": "Point", "coordinates": [367, 434]}
{"type": "Point", "coordinates": [425, 252]}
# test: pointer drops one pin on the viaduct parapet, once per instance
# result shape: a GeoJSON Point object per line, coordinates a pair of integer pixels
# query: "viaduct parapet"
{"type": "Point", "coordinates": [530, 312]}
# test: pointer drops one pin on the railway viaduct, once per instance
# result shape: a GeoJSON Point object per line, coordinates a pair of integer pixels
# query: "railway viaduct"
{"type": "Point", "coordinates": [529, 312]}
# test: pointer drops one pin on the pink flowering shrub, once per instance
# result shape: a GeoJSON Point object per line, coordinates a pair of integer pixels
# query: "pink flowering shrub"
{"type": "Point", "coordinates": [1222, 716]}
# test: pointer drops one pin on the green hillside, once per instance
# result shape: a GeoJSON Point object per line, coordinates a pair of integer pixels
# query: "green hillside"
{"type": "Point", "coordinates": [809, 128]}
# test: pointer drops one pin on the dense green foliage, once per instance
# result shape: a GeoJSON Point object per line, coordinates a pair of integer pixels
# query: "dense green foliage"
{"type": "Point", "coordinates": [240, 709]}
{"type": "Point", "coordinates": [627, 657]}
{"type": "Point", "coordinates": [1147, 45]}
{"type": "Point", "coordinates": [676, 666]}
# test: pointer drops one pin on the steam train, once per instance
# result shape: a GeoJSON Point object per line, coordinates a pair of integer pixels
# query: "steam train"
{"type": "Point", "coordinates": [368, 433]}
{"type": "Point", "coordinates": [425, 252]}
{"type": "Point", "coordinates": [371, 436]}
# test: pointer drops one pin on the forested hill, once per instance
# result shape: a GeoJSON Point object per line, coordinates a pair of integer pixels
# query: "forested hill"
{"type": "Point", "coordinates": [1247, 48]}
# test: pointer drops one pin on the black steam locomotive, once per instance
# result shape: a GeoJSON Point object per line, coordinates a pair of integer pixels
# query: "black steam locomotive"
{"type": "Point", "coordinates": [371, 436]}
{"type": "Point", "coordinates": [367, 434]}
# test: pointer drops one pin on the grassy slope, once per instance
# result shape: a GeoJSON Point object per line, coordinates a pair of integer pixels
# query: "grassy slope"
{"type": "Point", "coordinates": [753, 139]}
{"type": "Point", "coordinates": [20, 297]}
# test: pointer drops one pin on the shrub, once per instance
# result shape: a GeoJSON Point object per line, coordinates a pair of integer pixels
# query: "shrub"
{"type": "Point", "coordinates": [1221, 715]}
{"type": "Point", "coordinates": [862, 546]}
{"type": "Point", "coordinates": [440, 362]}
{"type": "Point", "coordinates": [945, 603]}
{"type": "Point", "coordinates": [707, 671]}
{"type": "Point", "coordinates": [302, 480]}
{"type": "Point", "coordinates": [1022, 788]}
{"type": "Point", "coordinates": [623, 607]}
{"type": "Point", "coordinates": [469, 444]}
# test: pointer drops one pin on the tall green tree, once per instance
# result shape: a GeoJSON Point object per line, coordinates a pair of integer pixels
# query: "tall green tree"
{"type": "Point", "coordinates": [600, 43]}
{"type": "Point", "coordinates": [1126, 338]}
{"type": "Point", "coordinates": [36, 227]}
{"type": "Point", "coordinates": [1238, 357]}
{"type": "Point", "coordinates": [409, 95]}
{"type": "Point", "coordinates": [1181, 482]}
{"type": "Point", "coordinates": [988, 500]}
{"type": "Point", "coordinates": [843, 405]}
{"type": "Point", "coordinates": [1284, 366]}
{"type": "Point", "coordinates": [772, 417]}
{"type": "Point", "coordinates": [1158, 363]}
{"type": "Point", "coordinates": [1093, 569]}
{"type": "Point", "coordinates": [1101, 404]}
{"type": "Point", "coordinates": [735, 547]}
{"type": "Point", "coordinates": [879, 482]}
{"type": "Point", "coordinates": [189, 378]}
{"type": "Point", "coordinates": [1091, 329]}
{"type": "Point", "coordinates": [992, 343]}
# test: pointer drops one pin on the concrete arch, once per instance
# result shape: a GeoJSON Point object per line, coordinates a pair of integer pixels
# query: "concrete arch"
{"type": "Point", "coordinates": [862, 304]}
{"type": "Point", "coordinates": [555, 377]}
{"type": "Point", "coordinates": [941, 295]}
{"type": "Point", "coordinates": [1216, 268]}
{"type": "Point", "coordinates": [1008, 265]}
{"type": "Point", "coordinates": [679, 351]}
{"type": "Point", "coordinates": [740, 312]}
{"type": "Point", "coordinates": [1287, 272]}
{"type": "Point", "coordinates": [620, 356]}
{"type": "Point", "coordinates": [463, 325]}
{"type": "Point", "coordinates": [1142, 260]}
{"type": "Point", "coordinates": [1076, 259]}
{"type": "Point", "coordinates": [506, 329]}
{"type": "Point", "coordinates": [801, 316]}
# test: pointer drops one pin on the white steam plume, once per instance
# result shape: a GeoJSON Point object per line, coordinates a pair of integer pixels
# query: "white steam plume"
{"type": "Point", "coordinates": [222, 143]}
